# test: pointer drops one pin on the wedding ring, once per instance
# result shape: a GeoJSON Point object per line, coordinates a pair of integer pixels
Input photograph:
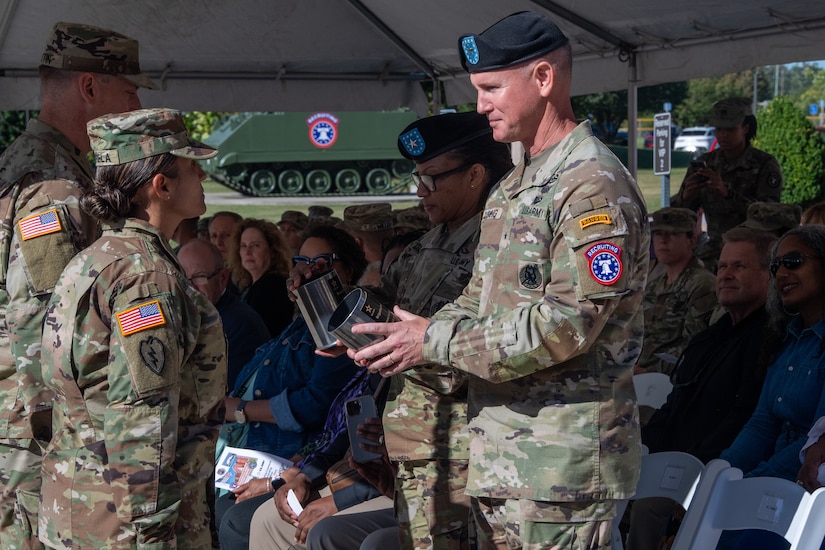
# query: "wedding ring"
{"type": "Point", "coordinates": [799, 482]}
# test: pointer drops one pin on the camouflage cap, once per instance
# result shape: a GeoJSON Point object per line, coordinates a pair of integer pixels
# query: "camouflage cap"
{"type": "Point", "coordinates": [318, 211]}
{"type": "Point", "coordinates": [772, 216]}
{"type": "Point", "coordinates": [375, 216]}
{"type": "Point", "coordinates": [296, 218]}
{"type": "Point", "coordinates": [125, 137]}
{"type": "Point", "coordinates": [675, 220]}
{"type": "Point", "coordinates": [730, 112]}
{"type": "Point", "coordinates": [413, 217]}
{"type": "Point", "coordinates": [78, 47]}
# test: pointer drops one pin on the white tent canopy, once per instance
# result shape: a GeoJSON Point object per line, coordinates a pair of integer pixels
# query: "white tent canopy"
{"type": "Point", "coordinates": [303, 55]}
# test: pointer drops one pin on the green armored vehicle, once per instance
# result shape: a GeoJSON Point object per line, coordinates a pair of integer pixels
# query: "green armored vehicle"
{"type": "Point", "coordinates": [264, 154]}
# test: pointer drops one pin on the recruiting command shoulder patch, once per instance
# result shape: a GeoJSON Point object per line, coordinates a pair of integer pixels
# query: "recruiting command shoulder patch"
{"type": "Point", "coordinates": [141, 317]}
{"type": "Point", "coordinates": [605, 261]}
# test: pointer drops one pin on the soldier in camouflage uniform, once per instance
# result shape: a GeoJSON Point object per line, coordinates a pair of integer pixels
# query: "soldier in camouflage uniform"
{"type": "Point", "coordinates": [135, 356]}
{"type": "Point", "coordinates": [733, 176]}
{"type": "Point", "coordinates": [679, 298]}
{"type": "Point", "coordinates": [85, 72]}
{"type": "Point", "coordinates": [425, 418]}
{"type": "Point", "coordinates": [550, 324]}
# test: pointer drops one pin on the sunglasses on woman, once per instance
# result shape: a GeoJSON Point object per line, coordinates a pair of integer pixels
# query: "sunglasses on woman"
{"type": "Point", "coordinates": [321, 260]}
{"type": "Point", "coordinates": [791, 261]}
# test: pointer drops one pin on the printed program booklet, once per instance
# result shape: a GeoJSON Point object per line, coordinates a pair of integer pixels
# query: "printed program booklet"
{"type": "Point", "coordinates": [237, 466]}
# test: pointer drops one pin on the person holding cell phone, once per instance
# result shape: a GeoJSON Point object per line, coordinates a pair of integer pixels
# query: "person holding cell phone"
{"type": "Point", "coordinates": [723, 182]}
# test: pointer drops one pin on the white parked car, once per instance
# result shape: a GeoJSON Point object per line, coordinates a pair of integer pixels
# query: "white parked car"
{"type": "Point", "coordinates": [696, 139]}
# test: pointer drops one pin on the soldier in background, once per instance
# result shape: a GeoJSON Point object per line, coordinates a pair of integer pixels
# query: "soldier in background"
{"type": "Point", "coordinates": [292, 226]}
{"type": "Point", "coordinates": [550, 324]}
{"type": "Point", "coordinates": [371, 227]}
{"type": "Point", "coordinates": [680, 297]}
{"type": "Point", "coordinates": [85, 72]}
{"type": "Point", "coordinates": [222, 226]}
{"type": "Point", "coordinates": [775, 217]}
{"type": "Point", "coordinates": [135, 356]}
{"type": "Point", "coordinates": [723, 182]}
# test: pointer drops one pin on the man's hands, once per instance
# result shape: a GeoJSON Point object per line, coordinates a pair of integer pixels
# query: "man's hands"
{"type": "Point", "coordinates": [401, 349]}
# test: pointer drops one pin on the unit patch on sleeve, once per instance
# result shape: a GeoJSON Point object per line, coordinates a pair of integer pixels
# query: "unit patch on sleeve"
{"type": "Point", "coordinates": [153, 354]}
{"type": "Point", "coordinates": [42, 223]}
{"type": "Point", "coordinates": [141, 317]}
{"type": "Point", "coordinates": [605, 261]}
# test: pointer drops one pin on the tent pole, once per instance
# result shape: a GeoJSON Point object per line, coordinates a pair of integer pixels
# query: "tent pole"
{"type": "Point", "coordinates": [632, 114]}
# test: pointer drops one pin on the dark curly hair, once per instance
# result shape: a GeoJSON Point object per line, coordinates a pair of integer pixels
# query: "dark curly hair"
{"type": "Point", "coordinates": [344, 246]}
{"type": "Point", "coordinates": [280, 257]}
{"type": "Point", "coordinates": [114, 188]}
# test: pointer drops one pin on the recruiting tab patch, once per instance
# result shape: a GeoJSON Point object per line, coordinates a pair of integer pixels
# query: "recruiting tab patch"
{"type": "Point", "coordinates": [605, 261]}
{"type": "Point", "coordinates": [39, 224]}
{"type": "Point", "coordinates": [141, 317]}
{"type": "Point", "coordinates": [594, 220]}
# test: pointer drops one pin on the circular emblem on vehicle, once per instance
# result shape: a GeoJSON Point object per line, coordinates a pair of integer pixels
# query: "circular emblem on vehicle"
{"type": "Point", "coordinates": [605, 261]}
{"type": "Point", "coordinates": [530, 276]}
{"type": "Point", "coordinates": [323, 130]}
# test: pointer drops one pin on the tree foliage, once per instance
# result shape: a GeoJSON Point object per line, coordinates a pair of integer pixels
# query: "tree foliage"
{"type": "Point", "coordinates": [702, 93]}
{"type": "Point", "coordinates": [12, 124]}
{"type": "Point", "coordinates": [785, 133]}
{"type": "Point", "coordinates": [200, 124]}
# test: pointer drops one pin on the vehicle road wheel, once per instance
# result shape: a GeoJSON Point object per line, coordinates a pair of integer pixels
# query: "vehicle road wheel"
{"type": "Point", "coordinates": [379, 180]}
{"type": "Point", "coordinates": [290, 182]}
{"type": "Point", "coordinates": [347, 181]}
{"type": "Point", "coordinates": [318, 182]}
{"type": "Point", "coordinates": [262, 182]}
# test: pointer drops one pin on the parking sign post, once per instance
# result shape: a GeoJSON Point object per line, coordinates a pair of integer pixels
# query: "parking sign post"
{"type": "Point", "coordinates": [661, 153]}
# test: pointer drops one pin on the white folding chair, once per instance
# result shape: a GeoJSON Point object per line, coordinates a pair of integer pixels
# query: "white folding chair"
{"type": "Point", "coordinates": [674, 475]}
{"type": "Point", "coordinates": [766, 503]}
{"type": "Point", "coordinates": [652, 388]}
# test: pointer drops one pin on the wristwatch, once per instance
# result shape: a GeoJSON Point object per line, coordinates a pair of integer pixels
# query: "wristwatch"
{"type": "Point", "coordinates": [240, 415]}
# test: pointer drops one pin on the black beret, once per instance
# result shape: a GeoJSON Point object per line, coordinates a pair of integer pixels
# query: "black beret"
{"type": "Point", "coordinates": [431, 136]}
{"type": "Point", "coordinates": [515, 39]}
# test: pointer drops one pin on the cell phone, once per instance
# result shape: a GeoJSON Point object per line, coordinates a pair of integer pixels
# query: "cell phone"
{"type": "Point", "coordinates": [358, 410]}
{"type": "Point", "coordinates": [698, 164]}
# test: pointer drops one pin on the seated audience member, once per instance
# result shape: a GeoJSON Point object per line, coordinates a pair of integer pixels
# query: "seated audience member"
{"type": "Point", "coordinates": [245, 330]}
{"type": "Point", "coordinates": [292, 226]}
{"type": "Point", "coordinates": [718, 378]}
{"type": "Point", "coordinates": [221, 228]}
{"type": "Point", "coordinates": [410, 219]}
{"type": "Point", "coordinates": [775, 217]}
{"type": "Point", "coordinates": [814, 214]}
{"type": "Point", "coordinates": [371, 225]}
{"type": "Point", "coordinates": [203, 227]}
{"type": "Point", "coordinates": [260, 260]}
{"type": "Point", "coordinates": [396, 246]}
{"type": "Point", "coordinates": [679, 298]}
{"type": "Point", "coordinates": [792, 396]}
{"type": "Point", "coordinates": [293, 387]}
{"type": "Point", "coordinates": [185, 232]}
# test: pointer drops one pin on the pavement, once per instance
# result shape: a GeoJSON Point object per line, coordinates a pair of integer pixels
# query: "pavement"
{"type": "Point", "coordinates": [233, 197]}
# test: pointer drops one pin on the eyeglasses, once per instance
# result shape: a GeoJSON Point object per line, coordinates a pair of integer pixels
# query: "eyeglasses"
{"type": "Point", "coordinates": [791, 261]}
{"type": "Point", "coordinates": [199, 280]}
{"type": "Point", "coordinates": [321, 260]}
{"type": "Point", "coordinates": [428, 180]}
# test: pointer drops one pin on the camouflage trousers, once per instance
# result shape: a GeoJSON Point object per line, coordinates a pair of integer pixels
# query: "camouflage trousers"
{"type": "Point", "coordinates": [430, 504]}
{"type": "Point", "coordinates": [19, 496]}
{"type": "Point", "coordinates": [505, 524]}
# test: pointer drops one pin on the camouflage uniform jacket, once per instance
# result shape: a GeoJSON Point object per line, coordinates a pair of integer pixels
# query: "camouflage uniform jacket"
{"type": "Point", "coordinates": [426, 413]}
{"type": "Point", "coordinates": [755, 176]}
{"type": "Point", "coordinates": [137, 360]}
{"type": "Point", "coordinates": [675, 313]}
{"type": "Point", "coordinates": [42, 172]}
{"type": "Point", "coordinates": [550, 325]}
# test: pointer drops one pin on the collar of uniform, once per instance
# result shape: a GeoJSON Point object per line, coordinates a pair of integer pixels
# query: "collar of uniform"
{"type": "Point", "coordinates": [540, 168]}
{"type": "Point", "coordinates": [136, 226]}
{"type": "Point", "coordinates": [40, 129]}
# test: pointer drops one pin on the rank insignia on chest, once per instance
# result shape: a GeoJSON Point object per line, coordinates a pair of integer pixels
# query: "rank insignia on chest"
{"type": "Point", "coordinates": [605, 262]}
{"type": "Point", "coordinates": [141, 317]}
{"type": "Point", "coordinates": [39, 224]}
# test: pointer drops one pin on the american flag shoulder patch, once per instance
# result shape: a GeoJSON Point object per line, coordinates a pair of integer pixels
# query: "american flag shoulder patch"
{"type": "Point", "coordinates": [37, 225]}
{"type": "Point", "coordinates": [140, 317]}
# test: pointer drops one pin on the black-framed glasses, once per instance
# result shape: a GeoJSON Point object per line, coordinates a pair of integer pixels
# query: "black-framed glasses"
{"type": "Point", "coordinates": [199, 280]}
{"type": "Point", "coordinates": [428, 180]}
{"type": "Point", "coordinates": [791, 261]}
{"type": "Point", "coordinates": [321, 260]}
